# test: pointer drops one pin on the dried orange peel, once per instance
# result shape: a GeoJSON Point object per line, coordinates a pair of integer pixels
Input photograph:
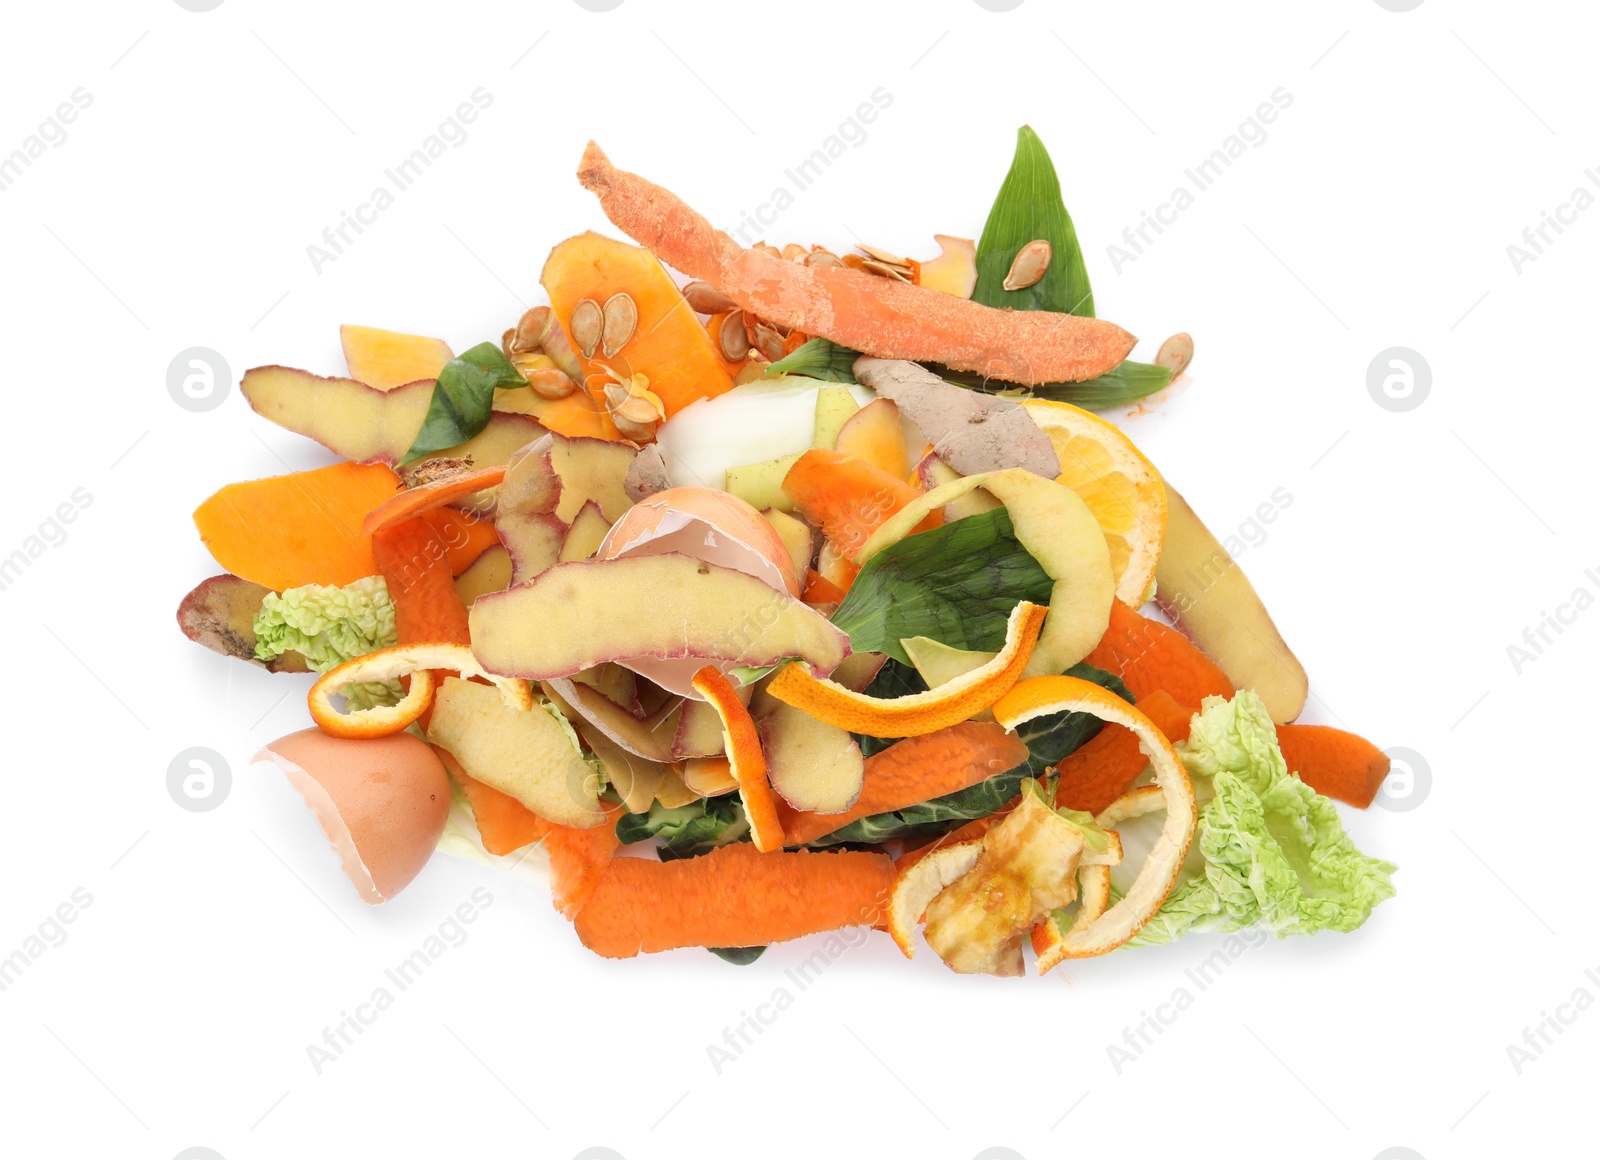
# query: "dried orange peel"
{"type": "Point", "coordinates": [1043, 695]}
{"type": "Point", "coordinates": [920, 713]}
{"type": "Point", "coordinates": [406, 660]}
{"type": "Point", "coordinates": [919, 881]}
{"type": "Point", "coordinates": [425, 497]}
{"type": "Point", "coordinates": [746, 761]}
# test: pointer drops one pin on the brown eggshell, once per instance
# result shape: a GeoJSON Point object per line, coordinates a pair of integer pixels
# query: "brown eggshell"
{"type": "Point", "coordinates": [382, 802]}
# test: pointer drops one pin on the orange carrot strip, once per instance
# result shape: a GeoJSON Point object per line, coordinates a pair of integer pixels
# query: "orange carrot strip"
{"type": "Point", "coordinates": [465, 535]}
{"type": "Point", "coordinates": [848, 498]}
{"type": "Point", "coordinates": [416, 565]}
{"type": "Point", "coordinates": [505, 825]}
{"type": "Point", "coordinates": [579, 860]}
{"type": "Point", "coordinates": [416, 500]}
{"type": "Point", "coordinates": [1333, 762]}
{"type": "Point", "coordinates": [915, 770]}
{"type": "Point", "coordinates": [878, 316]}
{"type": "Point", "coordinates": [820, 590]}
{"type": "Point", "coordinates": [1149, 657]}
{"type": "Point", "coordinates": [1105, 767]}
{"type": "Point", "coordinates": [735, 896]}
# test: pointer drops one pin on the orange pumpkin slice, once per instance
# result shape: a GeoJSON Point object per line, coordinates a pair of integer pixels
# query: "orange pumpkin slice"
{"type": "Point", "coordinates": [405, 660]}
{"type": "Point", "coordinates": [1039, 696]}
{"type": "Point", "coordinates": [920, 713]}
{"type": "Point", "coordinates": [746, 761]}
{"type": "Point", "coordinates": [665, 341]}
{"type": "Point", "coordinates": [425, 497]}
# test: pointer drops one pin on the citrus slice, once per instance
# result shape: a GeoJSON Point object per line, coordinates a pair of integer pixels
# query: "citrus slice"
{"type": "Point", "coordinates": [920, 713]}
{"type": "Point", "coordinates": [405, 660]}
{"type": "Point", "coordinates": [425, 497]}
{"type": "Point", "coordinates": [746, 761]}
{"type": "Point", "coordinates": [1060, 532]}
{"type": "Point", "coordinates": [918, 882]}
{"type": "Point", "coordinates": [1121, 487]}
{"type": "Point", "coordinates": [1044, 695]}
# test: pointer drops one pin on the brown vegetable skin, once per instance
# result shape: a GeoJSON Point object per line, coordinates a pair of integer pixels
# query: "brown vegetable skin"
{"type": "Point", "coordinates": [878, 316]}
{"type": "Point", "coordinates": [220, 614]}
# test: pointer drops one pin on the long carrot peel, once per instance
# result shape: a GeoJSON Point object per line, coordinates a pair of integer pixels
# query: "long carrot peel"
{"type": "Point", "coordinates": [1102, 769]}
{"type": "Point", "coordinates": [735, 896]}
{"type": "Point", "coordinates": [416, 565]}
{"type": "Point", "coordinates": [579, 860]}
{"type": "Point", "coordinates": [879, 316]}
{"type": "Point", "coordinates": [915, 770]}
{"type": "Point", "coordinates": [416, 500]}
{"type": "Point", "coordinates": [505, 825]}
{"type": "Point", "coordinates": [1151, 657]}
{"type": "Point", "coordinates": [1333, 762]}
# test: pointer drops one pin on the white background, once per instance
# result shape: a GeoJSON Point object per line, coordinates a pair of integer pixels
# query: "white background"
{"type": "Point", "coordinates": [1419, 545]}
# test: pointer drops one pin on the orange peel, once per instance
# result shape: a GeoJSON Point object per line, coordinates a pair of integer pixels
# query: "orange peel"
{"type": "Point", "coordinates": [425, 497]}
{"type": "Point", "coordinates": [745, 759]}
{"type": "Point", "coordinates": [416, 661]}
{"type": "Point", "coordinates": [920, 713]}
{"type": "Point", "coordinates": [1043, 695]}
{"type": "Point", "coordinates": [918, 882]}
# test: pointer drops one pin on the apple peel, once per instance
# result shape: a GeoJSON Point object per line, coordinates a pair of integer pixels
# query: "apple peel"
{"type": "Point", "coordinates": [416, 661]}
{"type": "Point", "coordinates": [954, 701]}
{"type": "Point", "coordinates": [1043, 695]}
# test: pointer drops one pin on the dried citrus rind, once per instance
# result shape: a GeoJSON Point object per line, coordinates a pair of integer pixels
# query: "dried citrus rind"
{"type": "Point", "coordinates": [406, 660]}
{"type": "Point", "coordinates": [920, 713]}
{"type": "Point", "coordinates": [1042, 695]}
{"type": "Point", "coordinates": [919, 883]}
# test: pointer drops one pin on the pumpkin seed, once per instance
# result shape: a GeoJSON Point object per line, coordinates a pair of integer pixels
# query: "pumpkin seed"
{"type": "Point", "coordinates": [764, 337]}
{"type": "Point", "coordinates": [766, 249]}
{"type": "Point", "coordinates": [621, 320]}
{"type": "Point", "coordinates": [884, 270]}
{"type": "Point", "coordinates": [1175, 353]}
{"type": "Point", "coordinates": [732, 338]}
{"type": "Point", "coordinates": [704, 298]}
{"type": "Point", "coordinates": [821, 257]}
{"type": "Point", "coordinates": [588, 324]}
{"type": "Point", "coordinates": [550, 382]}
{"type": "Point", "coordinates": [532, 329]}
{"type": "Point", "coordinates": [793, 252]}
{"type": "Point", "coordinates": [884, 256]}
{"type": "Point", "coordinates": [1028, 266]}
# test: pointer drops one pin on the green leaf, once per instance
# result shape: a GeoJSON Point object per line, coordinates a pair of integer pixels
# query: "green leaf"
{"type": "Point", "coordinates": [738, 956]}
{"type": "Point", "coordinates": [817, 359]}
{"type": "Point", "coordinates": [956, 584]}
{"type": "Point", "coordinates": [687, 831]}
{"type": "Point", "coordinates": [1128, 382]}
{"type": "Point", "coordinates": [1029, 207]}
{"type": "Point", "coordinates": [462, 397]}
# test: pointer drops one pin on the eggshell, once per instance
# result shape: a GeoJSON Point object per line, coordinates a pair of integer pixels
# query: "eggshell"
{"type": "Point", "coordinates": [382, 802]}
{"type": "Point", "coordinates": [709, 525]}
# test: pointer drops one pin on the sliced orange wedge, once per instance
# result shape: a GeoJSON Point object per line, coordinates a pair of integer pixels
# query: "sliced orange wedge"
{"type": "Point", "coordinates": [406, 660]}
{"type": "Point", "coordinates": [1043, 695]}
{"type": "Point", "coordinates": [920, 713]}
{"type": "Point", "coordinates": [746, 761]}
{"type": "Point", "coordinates": [425, 497]}
{"type": "Point", "coordinates": [1121, 487]}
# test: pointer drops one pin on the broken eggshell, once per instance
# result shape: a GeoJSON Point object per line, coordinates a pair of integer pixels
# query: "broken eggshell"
{"type": "Point", "coordinates": [708, 525]}
{"type": "Point", "coordinates": [382, 802]}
